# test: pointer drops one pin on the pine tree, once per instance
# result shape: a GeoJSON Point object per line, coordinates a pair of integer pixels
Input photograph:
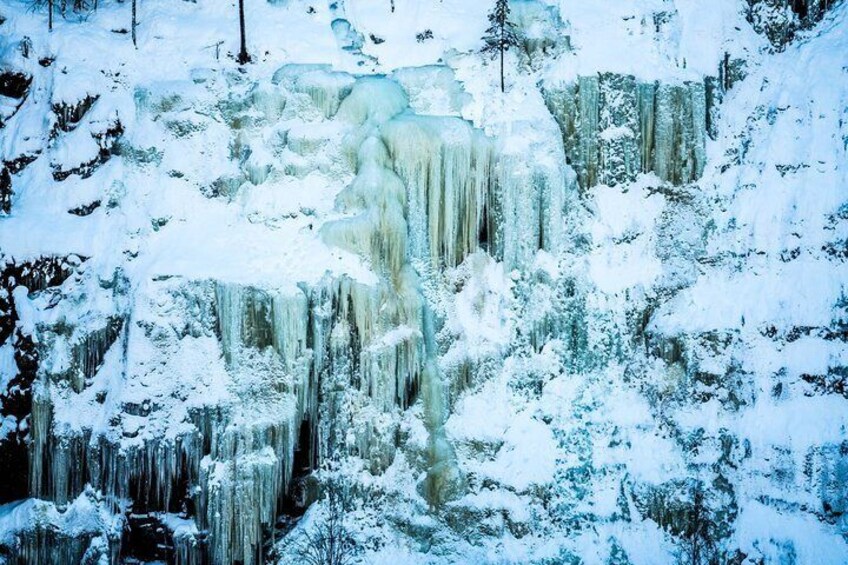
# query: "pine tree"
{"type": "Point", "coordinates": [501, 34]}
{"type": "Point", "coordinates": [134, 22]}
{"type": "Point", "coordinates": [243, 57]}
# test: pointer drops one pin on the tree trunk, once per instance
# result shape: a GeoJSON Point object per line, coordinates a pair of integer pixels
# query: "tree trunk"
{"type": "Point", "coordinates": [502, 70]}
{"type": "Point", "coordinates": [243, 57]}
{"type": "Point", "coordinates": [134, 23]}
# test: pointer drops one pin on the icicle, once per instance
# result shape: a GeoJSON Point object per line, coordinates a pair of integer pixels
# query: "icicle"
{"type": "Point", "coordinates": [244, 318]}
{"type": "Point", "coordinates": [326, 88]}
{"type": "Point", "coordinates": [666, 142]}
{"type": "Point", "coordinates": [444, 480]}
{"type": "Point", "coordinates": [526, 212]}
{"type": "Point", "coordinates": [244, 477]}
{"type": "Point", "coordinates": [391, 364]}
{"type": "Point", "coordinates": [697, 98]}
{"type": "Point", "coordinates": [40, 432]}
{"type": "Point", "coordinates": [379, 230]}
{"type": "Point", "coordinates": [613, 127]}
{"type": "Point", "coordinates": [188, 550]}
{"type": "Point", "coordinates": [647, 124]}
{"type": "Point", "coordinates": [84, 531]}
{"type": "Point", "coordinates": [290, 327]}
{"type": "Point", "coordinates": [88, 353]}
{"type": "Point", "coordinates": [619, 129]}
{"type": "Point", "coordinates": [681, 122]}
{"type": "Point", "coordinates": [447, 168]}
{"type": "Point", "coordinates": [588, 98]}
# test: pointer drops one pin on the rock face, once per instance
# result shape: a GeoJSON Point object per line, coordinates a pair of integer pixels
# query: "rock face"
{"type": "Point", "coordinates": [615, 127]}
{"type": "Point", "coordinates": [780, 20]}
{"type": "Point", "coordinates": [14, 87]}
{"type": "Point", "coordinates": [40, 275]}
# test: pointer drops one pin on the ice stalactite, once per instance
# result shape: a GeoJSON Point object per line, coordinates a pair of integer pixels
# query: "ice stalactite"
{"type": "Point", "coordinates": [268, 100]}
{"type": "Point", "coordinates": [525, 213]}
{"type": "Point", "coordinates": [354, 343]}
{"type": "Point", "coordinates": [51, 545]}
{"type": "Point", "coordinates": [83, 531]}
{"type": "Point", "coordinates": [37, 274]}
{"type": "Point", "coordinates": [614, 127]}
{"type": "Point", "coordinates": [235, 460]}
{"type": "Point", "coordinates": [89, 352]}
{"type": "Point", "coordinates": [444, 480]}
{"type": "Point", "coordinates": [249, 453]}
{"type": "Point", "coordinates": [376, 329]}
{"type": "Point", "coordinates": [430, 208]}
{"type": "Point", "coordinates": [647, 124]}
{"type": "Point", "coordinates": [63, 462]}
{"type": "Point", "coordinates": [340, 358]}
{"type": "Point", "coordinates": [618, 122]}
{"type": "Point", "coordinates": [447, 167]}
{"type": "Point", "coordinates": [452, 184]}
{"type": "Point", "coordinates": [243, 480]}
{"type": "Point", "coordinates": [189, 549]}
{"type": "Point", "coordinates": [40, 419]}
{"type": "Point", "coordinates": [379, 229]}
{"type": "Point", "coordinates": [680, 135]}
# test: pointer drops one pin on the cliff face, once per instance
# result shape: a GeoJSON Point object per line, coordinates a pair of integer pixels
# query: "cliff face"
{"type": "Point", "coordinates": [352, 287]}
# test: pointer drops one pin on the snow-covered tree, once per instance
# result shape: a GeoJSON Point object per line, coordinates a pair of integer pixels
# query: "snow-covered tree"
{"type": "Point", "coordinates": [501, 34]}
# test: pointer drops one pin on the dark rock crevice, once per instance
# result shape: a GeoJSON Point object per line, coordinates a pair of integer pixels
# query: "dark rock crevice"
{"type": "Point", "coordinates": [16, 400]}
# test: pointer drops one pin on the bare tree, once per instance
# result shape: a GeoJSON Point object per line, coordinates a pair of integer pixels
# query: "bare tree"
{"type": "Point", "coordinates": [501, 34]}
{"type": "Point", "coordinates": [38, 4]}
{"type": "Point", "coordinates": [243, 56]}
{"type": "Point", "coordinates": [329, 542]}
{"type": "Point", "coordinates": [699, 536]}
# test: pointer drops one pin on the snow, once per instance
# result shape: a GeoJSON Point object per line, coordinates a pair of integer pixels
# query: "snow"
{"type": "Point", "coordinates": [654, 39]}
{"type": "Point", "coordinates": [624, 255]}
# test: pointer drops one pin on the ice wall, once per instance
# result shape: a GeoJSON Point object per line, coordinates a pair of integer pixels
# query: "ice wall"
{"type": "Point", "coordinates": [260, 363]}
{"type": "Point", "coordinates": [427, 211]}
{"type": "Point", "coordinates": [447, 168]}
{"type": "Point", "coordinates": [42, 532]}
{"type": "Point", "coordinates": [615, 127]}
{"type": "Point", "coordinates": [286, 353]}
{"type": "Point", "coordinates": [526, 211]}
